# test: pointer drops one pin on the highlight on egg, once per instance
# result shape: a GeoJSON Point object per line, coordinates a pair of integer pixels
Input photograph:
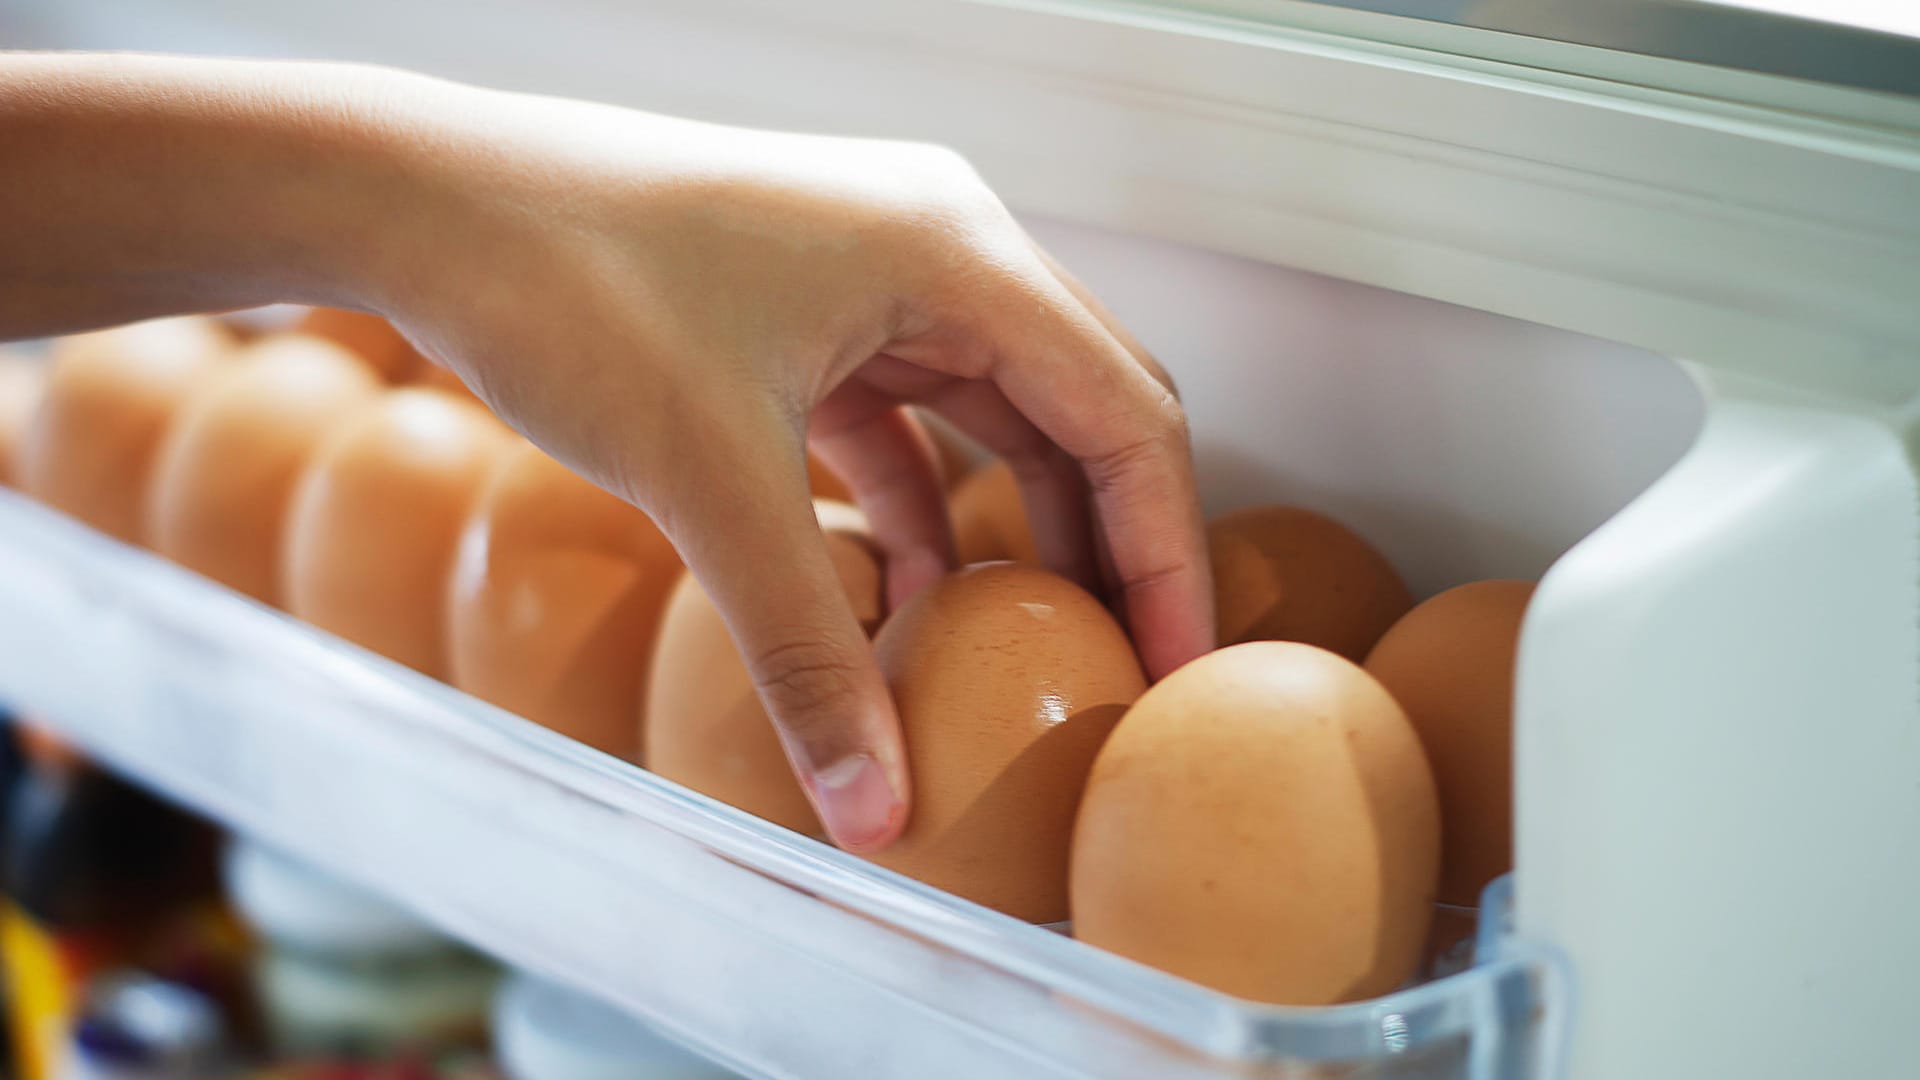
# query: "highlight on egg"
{"type": "Point", "coordinates": [377, 517]}
{"type": "Point", "coordinates": [705, 727]}
{"type": "Point", "coordinates": [1007, 679]}
{"type": "Point", "coordinates": [557, 593]}
{"type": "Point", "coordinates": [22, 381]}
{"type": "Point", "coordinates": [109, 398]}
{"type": "Point", "coordinates": [1263, 822]}
{"type": "Point", "coordinates": [1286, 573]}
{"type": "Point", "coordinates": [225, 472]}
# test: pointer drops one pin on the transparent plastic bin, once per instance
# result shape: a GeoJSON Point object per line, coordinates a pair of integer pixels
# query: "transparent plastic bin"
{"type": "Point", "coordinates": [776, 954]}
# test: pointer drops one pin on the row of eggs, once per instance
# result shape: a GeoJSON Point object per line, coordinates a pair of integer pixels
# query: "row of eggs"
{"type": "Point", "coordinates": [1274, 820]}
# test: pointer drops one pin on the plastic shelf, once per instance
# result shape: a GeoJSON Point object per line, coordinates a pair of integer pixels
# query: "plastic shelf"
{"type": "Point", "coordinates": [776, 954]}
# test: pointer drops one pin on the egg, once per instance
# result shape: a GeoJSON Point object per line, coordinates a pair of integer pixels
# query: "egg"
{"type": "Point", "coordinates": [22, 379]}
{"type": "Point", "coordinates": [1283, 573]}
{"type": "Point", "coordinates": [556, 594]}
{"type": "Point", "coordinates": [1449, 663]}
{"type": "Point", "coordinates": [224, 474]}
{"type": "Point", "coordinates": [109, 398]}
{"type": "Point", "coordinates": [824, 482]}
{"type": "Point", "coordinates": [377, 517]}
{"type": "Point", "coordinates": [430, 374]}
{"type": "Point", "coordinates": [1007, 679]}
{"type": "Point", "coordinates": [989, 520]}
{"type": "Point", "coordinates": [369, 337]}
{"type": "Point", "coordinates": [705, 727]}
{"type": "Point", "coordinates": [1262, 822]}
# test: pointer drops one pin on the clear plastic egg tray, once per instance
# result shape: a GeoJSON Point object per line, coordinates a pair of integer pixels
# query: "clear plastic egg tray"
{"type": "Point", "coordinates": [775, 954]}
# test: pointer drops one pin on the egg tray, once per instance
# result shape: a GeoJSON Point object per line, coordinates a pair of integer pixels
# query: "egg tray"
{"type": "Point", "coordinates": [775, 954]}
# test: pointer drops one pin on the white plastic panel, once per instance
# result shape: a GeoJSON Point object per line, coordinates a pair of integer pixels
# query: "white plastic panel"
{"type": "Point", "coordinates": [1719, 759]}
{"type": "Point", "coordinates": [1465, 445]}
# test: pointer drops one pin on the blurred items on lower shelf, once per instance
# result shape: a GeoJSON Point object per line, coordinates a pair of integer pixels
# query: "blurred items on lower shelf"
{"type": "Point", "coordinates": [133, 950]}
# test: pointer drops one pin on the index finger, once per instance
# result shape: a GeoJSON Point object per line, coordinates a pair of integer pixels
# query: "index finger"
{"type": "Point", "coordinates": [1059, 365]}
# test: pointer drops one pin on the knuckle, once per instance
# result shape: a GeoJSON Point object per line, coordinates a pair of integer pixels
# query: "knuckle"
{"type": "Point", "coordinates": [807, 686]}
{"type": "Point", "coordinates": [1170, 425]}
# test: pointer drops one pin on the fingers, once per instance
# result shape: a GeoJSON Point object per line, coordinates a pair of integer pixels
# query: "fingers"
{"type": "Point", "coordinates": [1058, 364]}
{"type": "Point", "coordinates": [1114, 326]}
{"type": "Point", "coordinates": [756, 547]}
{"type": "Point", "coordinates": [888, 462]}
{"type": "Point", "coordinates": [1052, 488]}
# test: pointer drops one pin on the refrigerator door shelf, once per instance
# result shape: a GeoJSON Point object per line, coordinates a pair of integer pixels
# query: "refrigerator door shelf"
{"type": "Point", "coordinates": [773, 953]}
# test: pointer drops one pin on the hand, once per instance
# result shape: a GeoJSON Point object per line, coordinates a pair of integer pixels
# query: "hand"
{"type": "Point", "coordinates": [672, 308]}
{"type": "Point", "coordinates": [675, 308]}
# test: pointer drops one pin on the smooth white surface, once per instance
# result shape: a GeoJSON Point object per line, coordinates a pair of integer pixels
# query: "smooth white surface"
{"type": "Point", "coordinates": [1465, 445]}
{"type": "Point", "coordinates": [1718, 756]}
{"type": "Point", "coordinates": [545, 1031]}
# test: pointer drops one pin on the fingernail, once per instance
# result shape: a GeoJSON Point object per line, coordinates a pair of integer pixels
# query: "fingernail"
{"type": "Point", "coordinates": [857, 804]}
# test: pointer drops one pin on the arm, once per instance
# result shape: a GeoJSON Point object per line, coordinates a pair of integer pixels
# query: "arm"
{"type": "Point", "coordinates": [673, 309]}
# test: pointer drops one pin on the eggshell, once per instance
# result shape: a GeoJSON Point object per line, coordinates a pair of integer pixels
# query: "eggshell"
{"type": "Point", "coordinates": [556, 595]}
{"type": "Point", "coordinates": [1262, 822]}
{"type": "Point", "coordinates": [22, 381]}
{"type": "Point", "coordinates": [1449, 663]}
{"type": "Point", "coordinates": [369, 337]}
{"type": "Point", "coordinates": [1283, 573]}
{"type": "Point", "coordinates": [430, 374]}
{"type": "Point", "coordinates": [825, 483]}
{"type": "Point", "coordinates": [989, 520]}
{"type": "Point", "coordinates": [705, 727]}
{"type": "Point", "coordinates": [109, 398]}
{"type": "Point", "coordinates": [377, 517]}
{"type": "Point", "coordinates": [225, 473]}
{"type": "Point", "coordinates": [1007, 679]}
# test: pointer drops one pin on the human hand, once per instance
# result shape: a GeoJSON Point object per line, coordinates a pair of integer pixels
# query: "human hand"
{"type": "Point", "coordinates": [672, 308]}
{"type": "Point", "coordinates": [675, 309]}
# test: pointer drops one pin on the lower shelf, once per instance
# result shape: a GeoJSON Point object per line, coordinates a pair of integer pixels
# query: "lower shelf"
{"type": "Point", "coordinates": [775, 954]}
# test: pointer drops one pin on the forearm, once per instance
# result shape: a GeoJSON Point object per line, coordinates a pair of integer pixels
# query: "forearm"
{"type": "Point", "coordinates": [140, 186]}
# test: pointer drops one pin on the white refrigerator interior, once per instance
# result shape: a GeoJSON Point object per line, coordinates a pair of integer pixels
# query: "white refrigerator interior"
{"type": "Point", "coordinates": [1657, 347]}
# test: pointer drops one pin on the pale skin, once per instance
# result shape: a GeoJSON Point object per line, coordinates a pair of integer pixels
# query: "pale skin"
{"type": "Point", "coordinates": [674, 309]}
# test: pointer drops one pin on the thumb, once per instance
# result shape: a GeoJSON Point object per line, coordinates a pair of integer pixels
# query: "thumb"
{"type": "Point", "coordinates": [757, 549]}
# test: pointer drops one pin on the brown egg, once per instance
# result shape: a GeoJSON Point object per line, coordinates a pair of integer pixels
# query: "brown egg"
{"type": "Point", "coordinates": [22, 381]}
{"type": "Point", "coordinates": [1282, 573]}
{"type": "Point", "coordinates": [1262, 822]}
{"type": "Point", "coordinates": [369, 337]}
{"type": "Point", "coordinates": [430, 374]}
{"type": "Point", "coordinates": [825, 483]}
{"type": "Point", "coordinates": [109, 398]}
{"type": "Point", "coordinates": [989, 520]}
{"type": "Point", "coordinates": [705, 727]}
{"type": "Point", "coordinates": [556, 594]}
{"type": "Point", "coordinates": [1008, 679]}
{"type": "Point", "coordinates": [225, 473]}
{"type": "Point", "coordinates": [377, 517]}
{"type": "Point", "coordinates": [1449, 663]}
